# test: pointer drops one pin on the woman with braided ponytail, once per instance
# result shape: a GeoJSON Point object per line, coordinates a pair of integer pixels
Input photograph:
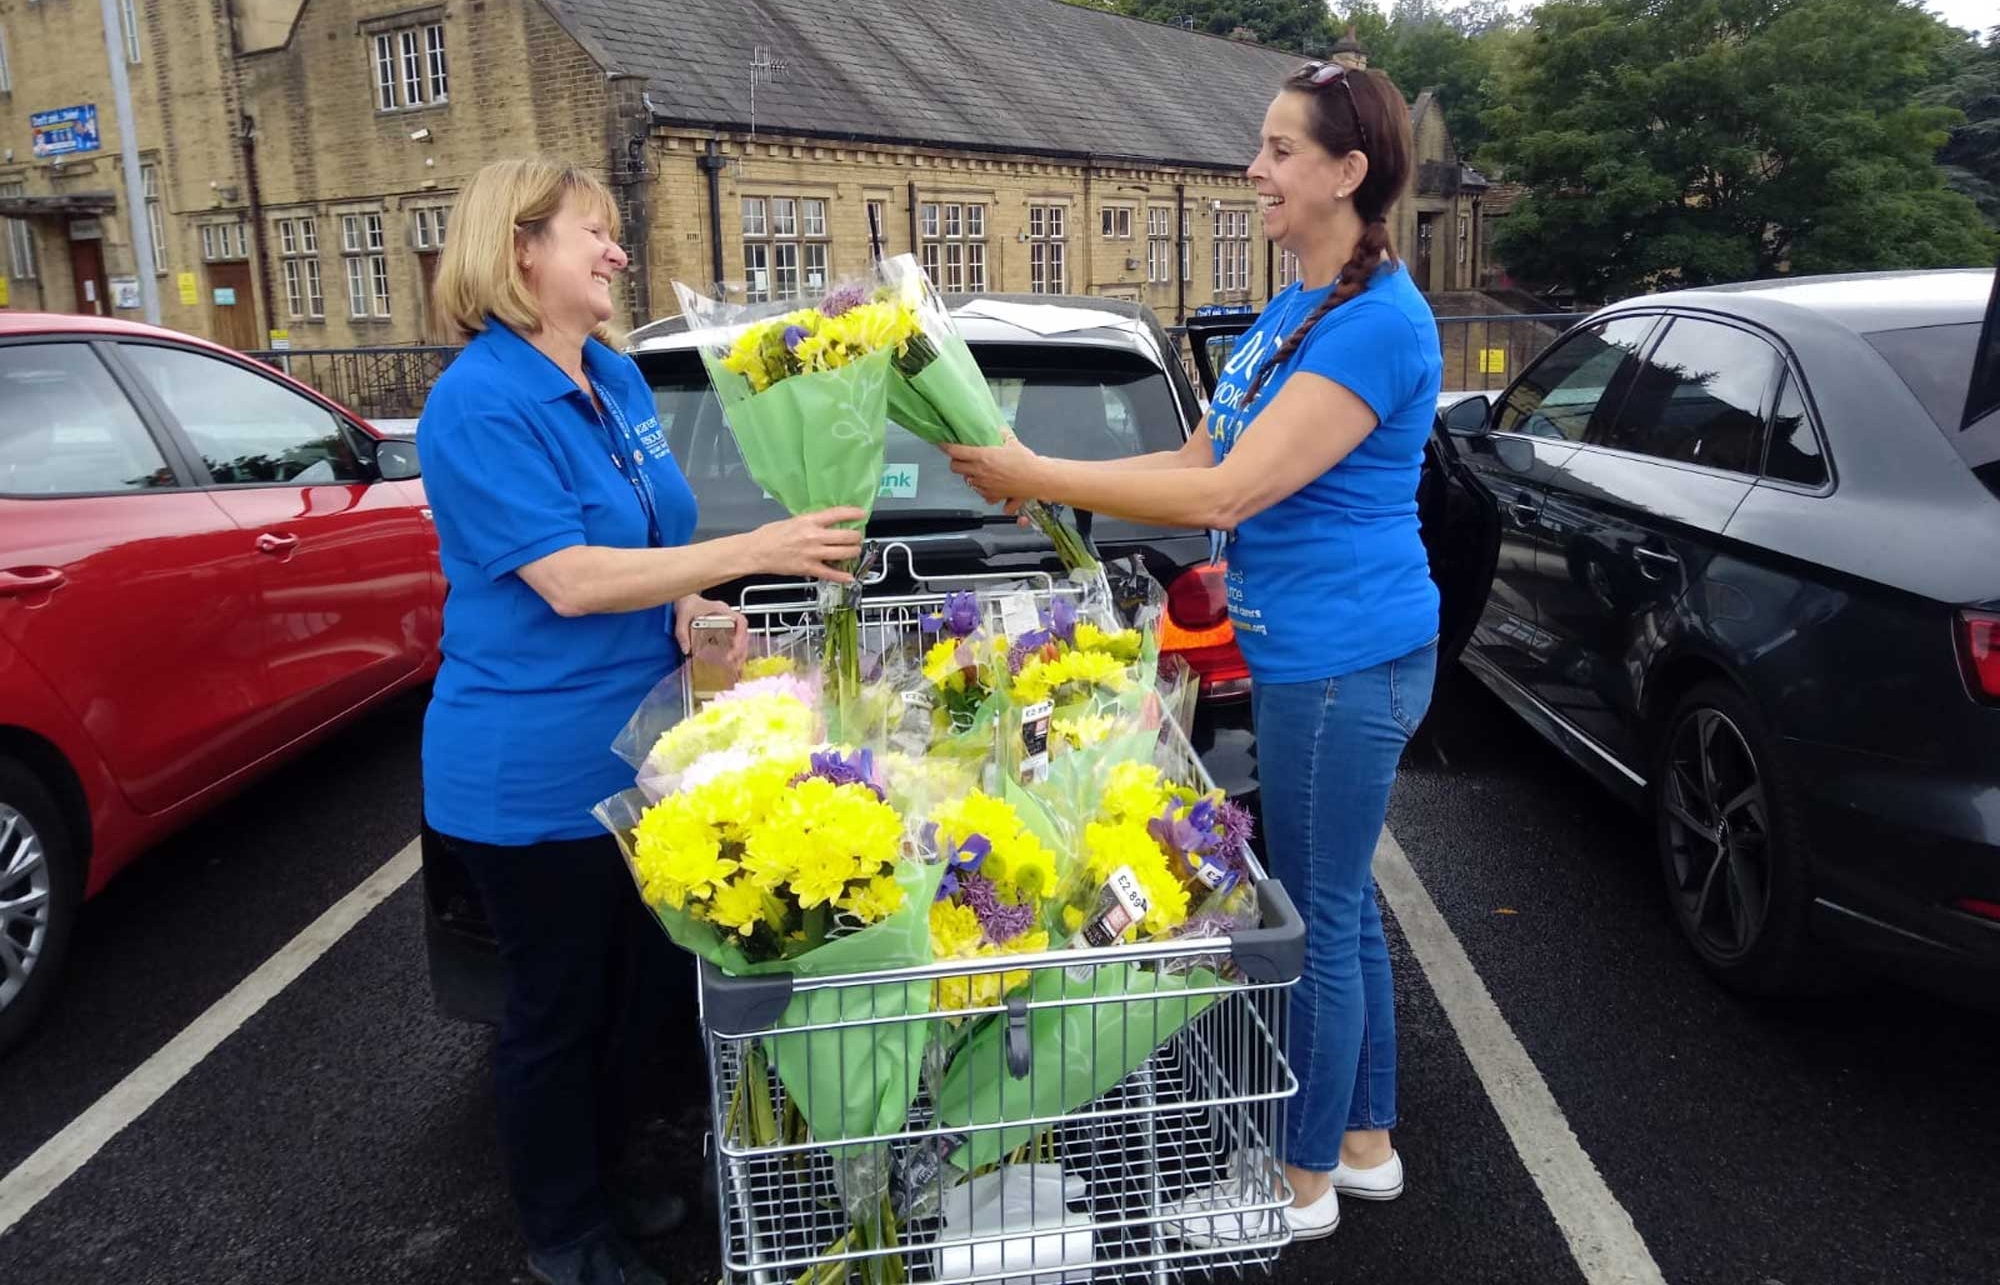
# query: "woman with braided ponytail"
{"type": "Point", "coordinates": [1307, 469]}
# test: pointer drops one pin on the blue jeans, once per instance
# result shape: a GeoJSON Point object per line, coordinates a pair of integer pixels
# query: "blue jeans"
{"type": "Point", "coordinates": [1326, 758]}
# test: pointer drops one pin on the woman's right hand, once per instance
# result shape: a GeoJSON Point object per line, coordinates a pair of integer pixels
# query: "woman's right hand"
{"type": "Point", "coordinates": [809, 545]}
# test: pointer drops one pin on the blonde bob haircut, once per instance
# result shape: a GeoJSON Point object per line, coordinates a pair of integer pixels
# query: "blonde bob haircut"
{"type": "Point", "coordinates": [480, 275]}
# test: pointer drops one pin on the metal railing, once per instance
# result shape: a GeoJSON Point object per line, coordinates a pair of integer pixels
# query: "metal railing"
{"type": "Point", "coordinates": [1480, 353]}
{"type": "Point", "coordinates": [375, 383]}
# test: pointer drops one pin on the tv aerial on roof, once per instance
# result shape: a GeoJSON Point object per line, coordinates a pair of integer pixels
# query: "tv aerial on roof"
{"type": "Point", "coordinates": [766, 68]}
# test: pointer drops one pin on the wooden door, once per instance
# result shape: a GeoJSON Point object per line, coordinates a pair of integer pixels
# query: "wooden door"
{"type": "Point", "coordinates": [232, 309]}
{"type": "Point", "coordinates": [93, 291]}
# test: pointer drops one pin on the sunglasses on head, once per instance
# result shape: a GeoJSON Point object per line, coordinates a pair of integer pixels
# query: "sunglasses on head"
{"type": "Point", "coordinates": [1321, 74]}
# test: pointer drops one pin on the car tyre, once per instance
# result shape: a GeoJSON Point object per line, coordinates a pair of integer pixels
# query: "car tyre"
{"type": "Point", "coordinates": [1731, 845]}
{"type": "Point", "coordinates": [41, 888]}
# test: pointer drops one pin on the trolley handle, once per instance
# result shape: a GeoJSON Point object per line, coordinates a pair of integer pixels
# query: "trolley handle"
{"type": "Point", "coordinates": [1275, 952]}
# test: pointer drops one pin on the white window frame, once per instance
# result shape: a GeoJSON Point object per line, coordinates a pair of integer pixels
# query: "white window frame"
{"type": "Point", "coordinates": [1116, 222]}
{"type": "Point", "coordinates": [1232, 252]}
{"type": "Point", "coordinates": [156, 219]}
{"type": "Point", "coordinates": [954, 245]}
{"type": "Point", "coordinates": [128, 20]}
{"type": "Point", "coordinates": [1048, 237]}
{"type": "Point", "coordinates": [429, 225]}
{"type": "Point", "coordinates": [6, 74]}
{"type": "Point", "coordinates": [363, 246]}
{"type": "Point", "coordinates": [411, 67]}
{"type": "Point", "coordinates": [298, 258]}
{"type": "Point", "coordinates": [780, 243]}
{"type": "Point", "coordinates": [1159, 244]}
{"type": "Point", "coordinates": [20, 240]}
{"type": "Point", "coordinates": [217, 238]}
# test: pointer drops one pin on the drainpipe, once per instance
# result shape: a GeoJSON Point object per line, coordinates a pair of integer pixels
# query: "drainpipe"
{"type": "Point", "coordinates": [711, 164]}
{"type": "Point", "coordinates": [1180, 254]}
{"type": "Point", "coordinates": [257, 237]}
{"type": "Point", "coordinates": [916, 242]}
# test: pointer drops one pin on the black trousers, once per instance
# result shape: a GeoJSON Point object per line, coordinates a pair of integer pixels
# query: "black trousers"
{"type": "Point", "coordinates": [593, 988]}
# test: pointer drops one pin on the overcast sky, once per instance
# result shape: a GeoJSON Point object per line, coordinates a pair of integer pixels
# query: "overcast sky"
{"type": "Point", "coordinates": [1979, 15]}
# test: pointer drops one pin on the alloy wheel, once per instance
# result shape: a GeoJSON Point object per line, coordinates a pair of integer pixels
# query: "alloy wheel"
{"type": "Point", "coordinates": [1718, 831]}
{"type": "Point", "coordinates": [24, 902]}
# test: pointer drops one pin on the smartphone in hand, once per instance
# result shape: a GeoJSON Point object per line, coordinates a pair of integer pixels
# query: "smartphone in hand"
{"type": "Point", "coordinates": [713, 664]}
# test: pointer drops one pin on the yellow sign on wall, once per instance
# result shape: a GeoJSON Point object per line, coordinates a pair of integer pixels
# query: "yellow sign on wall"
{"type": "Point", "coordinates": [1492, 361]}
{"type": "Point", "coordinates": [190, 290]}
{"type": "Point", "coordinates": [3, 289]}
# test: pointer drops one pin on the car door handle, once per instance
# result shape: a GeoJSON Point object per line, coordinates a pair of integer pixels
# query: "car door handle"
{"type": "Point", "coordinates": [19, 582]}
{"type": "Point", "coordinates": [1525, 511]}
{"type": "Point", "coordinates": [1655, 564]}
{"type": "Point", "coordinates": [276, 545]}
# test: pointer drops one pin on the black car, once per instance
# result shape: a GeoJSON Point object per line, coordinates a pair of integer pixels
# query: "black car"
{"type": "Point", "coordinates": [1749, 577]}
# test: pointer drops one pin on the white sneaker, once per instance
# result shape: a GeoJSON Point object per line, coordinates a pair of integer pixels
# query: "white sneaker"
{"type": "Point", "coordinates": [1208, 1217]}
{"type": "Point", "coordinates": [1383, 1182]}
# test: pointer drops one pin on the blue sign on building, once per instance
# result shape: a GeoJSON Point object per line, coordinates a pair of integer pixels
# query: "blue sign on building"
{"type": "Point", "coordinates": [66, 131]}
{"type": "Point", "coordinates": [1223, 310]}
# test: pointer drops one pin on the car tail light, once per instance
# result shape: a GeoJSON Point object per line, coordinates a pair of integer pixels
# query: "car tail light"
{"type": "Point", "coordinates": [1197, 629]}
{"type": "Point", "coordinates": [1979, 637]}
{"type": "Point", "coordinates": [1975, 906]}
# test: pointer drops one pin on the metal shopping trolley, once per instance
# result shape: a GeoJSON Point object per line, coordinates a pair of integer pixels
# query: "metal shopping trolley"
{"type": "Point", "coordinates": [1056, 1126]}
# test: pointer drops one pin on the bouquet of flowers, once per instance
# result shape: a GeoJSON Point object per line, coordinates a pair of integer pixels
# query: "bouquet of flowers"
{"type": "Point", "coordinates": [805, 391]}
{"type": "Point", "coordinates": [998, 874]}
{"type": "Point", "coordinates": [939, 394]}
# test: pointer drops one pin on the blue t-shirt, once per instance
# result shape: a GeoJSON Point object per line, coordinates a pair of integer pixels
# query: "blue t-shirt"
{"type": "Point", "coordinates": [1333, 579]}
{"type": "Point", "coordinates": [517, 464]}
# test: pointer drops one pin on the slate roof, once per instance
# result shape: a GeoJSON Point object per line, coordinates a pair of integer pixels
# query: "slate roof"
{"type": "Point", "coordinates": [1035, 76]}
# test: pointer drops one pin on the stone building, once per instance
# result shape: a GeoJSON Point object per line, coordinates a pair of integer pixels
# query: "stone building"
{"type": "Point", "coordinates": [300, 156]}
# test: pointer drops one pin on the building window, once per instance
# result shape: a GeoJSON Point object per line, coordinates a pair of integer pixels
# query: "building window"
{"type": "Point", "coordinates": [1464, 237]}
{"type": "Point", "coordinates": [410, 68]}
{"type": "Point", "coordinates": [298, 257]}
{"type": "Point", "coordinates": [156, 222]}
{"type": "Point", "coordinates": [128, 18]}
{"type": "Point", "coordinates": [878, 228]}
{"type": "Point", "coordinates": [20, 238]}
{"type": "Point", "coordinates": [1045, 248]}
{"type": "Point", "coordinates": [785, 248]}
{"type": "Point", "coordinates": [428, 226]}
{"type": "Point", "coordinates": [1232, 251]}
{"type": "Point", "coordinates": [1159, 245]}
{"type": "Point", "coordinates": [954, 253]}
{"type": "Point", "coordinates": [362, 245]}
{"type": "Point", "coordinates": [6, 76]}
{"type": "Point", "coordinates": [1288, 269]}
{"type": "Point", "coordinates": [224, 241]}
{"type": "Point", "coordinates": [1117, 222]}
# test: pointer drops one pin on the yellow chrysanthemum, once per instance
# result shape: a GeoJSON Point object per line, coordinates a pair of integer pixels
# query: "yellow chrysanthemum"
{"type": "Point", "coordinates": [875, 900]}
{"type": "Point", "coordinates": [740, 906]}
{"type": "Point", "coordinates": [1084, 730]}
{"type": "Point", "coordinates": [942, 667]}
{"type": "Point", "coordinates": [955, 930]}
{"type": "Point", "coordinates": [1134, 791]}
{"type": "Point", "coordinates": [1019, 865]}
{"type": "Point", "coordinates": [776, 722]}
{"type": "Point", "coordinates": [768, 667]}
{"type": "Point", "coordinates": [1069, 676]}
{"type": "Point", "coordinates": [870, 327]}
{"type": "Point", "coordinates": [1123, 645]}
{"type": "Point", "coordinates": [1126, 843]}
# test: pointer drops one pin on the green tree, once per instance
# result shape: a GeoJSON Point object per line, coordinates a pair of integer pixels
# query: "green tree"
{"type": "Point", "coordinates": [1971, 156]}
{"type": "Point", "coordinates": [1698, 141]}
{"type": "Point", "coordinates": [1455, 51]}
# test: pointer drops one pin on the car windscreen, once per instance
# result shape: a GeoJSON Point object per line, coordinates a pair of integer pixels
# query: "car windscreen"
{"type": "Point", "coordinates": [1073, 401]}
{"type": "Point", "coordinates": [1936, 363]}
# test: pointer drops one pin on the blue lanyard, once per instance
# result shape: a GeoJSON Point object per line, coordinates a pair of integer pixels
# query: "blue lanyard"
{"type": "Point", "coordinates": [623, 442]}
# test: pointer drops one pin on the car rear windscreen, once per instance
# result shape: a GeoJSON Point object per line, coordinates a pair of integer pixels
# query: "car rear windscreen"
{"type": "Point", "coordinates": [1070, 401]}
{"type": "Point", "coordinates": [1936, 362]}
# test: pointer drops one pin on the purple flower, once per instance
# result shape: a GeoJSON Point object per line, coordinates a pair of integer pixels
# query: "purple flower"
{"type": "Point", "coordinates": [1024, 647]}
{"type": "Point", "coordinates": [794, 336]}
{"type": "Point", "coordinates": [1002, 921]}
{"type": "Point", "coordinates": [962, 861]}
{"type": "Point", "coordinates": [959, 615]}
{"type": "Point", "coordinates": [841, 298]}
{"type": "Point", "coordinates": [828, 765]}
{"type": "Point", "coordinates": [1184, 835]}
{"type": "Point", "coordinates": [1061, 620]}
{"type": "Point", "coordinates": [1237, 826]}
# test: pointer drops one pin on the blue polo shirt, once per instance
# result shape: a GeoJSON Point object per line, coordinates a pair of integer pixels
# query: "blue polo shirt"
{"type": "Point", "coordinates": [517, 464]}
{"type": "Point", "coordinates": [1333, 578]}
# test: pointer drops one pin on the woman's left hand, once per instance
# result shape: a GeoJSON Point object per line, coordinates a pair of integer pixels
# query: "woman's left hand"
{"type": "Point", "coordinates": [695, 607]}
{"type": "Point", "coordinates": [1009, 471]}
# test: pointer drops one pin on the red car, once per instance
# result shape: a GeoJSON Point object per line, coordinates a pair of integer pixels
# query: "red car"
{"type": "Point", "coordinates": [204, 566]}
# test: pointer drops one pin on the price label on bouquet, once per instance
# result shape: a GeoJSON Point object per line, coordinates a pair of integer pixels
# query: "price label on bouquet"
{"type": "Point", "coordinates": [1018, 615]}
{"type": "Point", "coordinates": [1035, 721]}
{"type": "Point", "coordinates": [917, 698]}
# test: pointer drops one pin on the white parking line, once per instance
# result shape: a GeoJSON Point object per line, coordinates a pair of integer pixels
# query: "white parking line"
{"type": "Point", "coordinates": [61, 1156]}
{"type": "Point", "coordinates": [1607, 1247]}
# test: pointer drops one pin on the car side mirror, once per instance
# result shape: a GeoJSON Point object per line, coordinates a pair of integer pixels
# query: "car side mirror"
{"type": "Point", "coordinates": [397, 461]}
{"type": "Point", "coordinates": [1468, 418]}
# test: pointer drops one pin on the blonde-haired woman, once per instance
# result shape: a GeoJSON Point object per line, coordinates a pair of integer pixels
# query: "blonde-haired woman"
{"type": "Point", "coordinates": [564, 528]}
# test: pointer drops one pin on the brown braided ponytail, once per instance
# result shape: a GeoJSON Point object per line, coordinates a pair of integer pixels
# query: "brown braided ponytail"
{"type": "Point", "coordinates": [1357, 111]}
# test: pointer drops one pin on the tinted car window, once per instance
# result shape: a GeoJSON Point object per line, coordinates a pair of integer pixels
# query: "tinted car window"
{"type": "Point", "coordinates": [1937, 363]}
{"type": "Point", "coordinates": [1577, 384]}
{"type": "Point", "coordinates": [246, 428]}
{"type": "Point", "coordinates": [1699, 398]}
{"type": "Point", "coordinates": [67, 429]}
{"type": "Point", "coordinates": [1794, 454]}
{"type": "Point", "coordinates": [1082, 403]}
